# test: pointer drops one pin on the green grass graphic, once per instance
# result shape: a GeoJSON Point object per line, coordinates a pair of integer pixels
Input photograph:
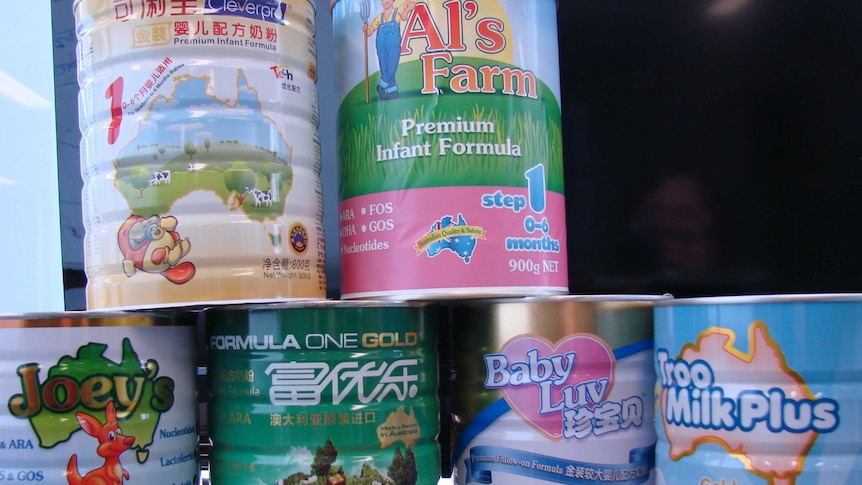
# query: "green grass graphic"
{"type": "Point", "coordinates": [531, 123]}
{"type": "Point", "coordinates": [133, 172]}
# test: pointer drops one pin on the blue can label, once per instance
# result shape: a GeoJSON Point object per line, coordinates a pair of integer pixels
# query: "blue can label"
{"type": "Point", "coordinates": [767, 385]}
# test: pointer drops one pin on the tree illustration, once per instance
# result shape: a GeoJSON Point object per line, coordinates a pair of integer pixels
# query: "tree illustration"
{"type": "Point", "coordinates": [207, 144]}
{"type": "Point", "coordinates": [323, 459]}
{"type": "Point", "coordinates": [370, 475]}
{"type": "Point", "coordinates": [396, 467]}
{"type": "Point", "coordinates": [410, 472]}
{"type": "Point", "coordinates": [238, 178]}
{"type": "Point", "coordinates": [140, 179]}
{"type": "Point", "coordinates": [402, 470]}
{"type": "Point", "coordinates": [190, 149]}
{"type": "Point", "coordinates": [296, 478]}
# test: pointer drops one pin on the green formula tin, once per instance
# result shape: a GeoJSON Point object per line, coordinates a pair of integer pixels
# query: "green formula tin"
{"type": "Point", "coordinates": [326, 393]}
{"type": "Point", "coordinates": [553, 390]}
{"type": "Point", "coordinates": [101, 398]}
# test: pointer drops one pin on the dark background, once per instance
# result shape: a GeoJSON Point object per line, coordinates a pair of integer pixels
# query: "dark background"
{"type": "Point", "coordinates": [712, 146]}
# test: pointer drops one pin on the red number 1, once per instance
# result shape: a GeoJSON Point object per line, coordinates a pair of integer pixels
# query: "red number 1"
{"type": "Point", "coordinates": [115, 94]}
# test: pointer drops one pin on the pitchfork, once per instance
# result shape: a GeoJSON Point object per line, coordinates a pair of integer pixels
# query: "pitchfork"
{"type": "Point", "coordinates": [364, 13]}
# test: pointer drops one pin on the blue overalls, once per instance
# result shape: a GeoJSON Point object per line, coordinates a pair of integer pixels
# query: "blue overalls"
{"type": "Point", "coordinates": [388, 55]}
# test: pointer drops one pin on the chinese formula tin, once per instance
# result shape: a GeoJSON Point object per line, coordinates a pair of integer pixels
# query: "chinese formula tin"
{"type": "Point", "coordinates": [89, 397]}
{"type": "Point", "coordinates": [449, 147]}
{"type": "Point", "coordinates": [553, 390]}
{"type": "Point", "coordinates": [199, 152]}
{"type": "Point", "coordinates": [324, 393]}
{"type": "Point", "coordinates": [759, 390]}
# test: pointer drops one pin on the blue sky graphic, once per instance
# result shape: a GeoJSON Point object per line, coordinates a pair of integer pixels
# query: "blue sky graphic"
{"type": "Point", "coordinates": [194, 116]}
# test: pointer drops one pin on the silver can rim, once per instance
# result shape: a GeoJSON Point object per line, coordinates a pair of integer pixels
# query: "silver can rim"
{"type": "Point", "coordinates": [763, 298]}
{"type": "Point", "coordinates": [560, 299]}
{"type": "Point", "coordinates": [314, 304]}
{"type": "Point", "coordinates": [95, 318]}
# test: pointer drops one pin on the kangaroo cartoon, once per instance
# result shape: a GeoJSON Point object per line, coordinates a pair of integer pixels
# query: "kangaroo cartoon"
{"type": "Point", "coordinates": [112, 444]}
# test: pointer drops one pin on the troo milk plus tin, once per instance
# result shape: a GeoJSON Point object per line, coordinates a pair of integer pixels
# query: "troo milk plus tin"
{"type": "Point", "coordinates": [759, 390]}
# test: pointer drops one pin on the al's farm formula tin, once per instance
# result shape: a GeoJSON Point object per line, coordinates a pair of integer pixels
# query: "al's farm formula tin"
{"type": "Point", "coordinates": [759, 390]}
{"type": "Point", "coordinates": [199, 151]}
{"type": "Point", "coordinates": [327, 393]}
{"type": "Point", "coordinates": [449, 147]}
{"type": "Point", "coordinates": [97, 398]}
{"type": "Point", "coordinates": [553, 390]}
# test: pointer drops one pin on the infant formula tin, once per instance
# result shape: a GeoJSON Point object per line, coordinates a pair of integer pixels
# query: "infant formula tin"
{"type": "Point", "coordinates": [759, 390]}
{"type": "Point", "coordinates": [97, 398]}
{"type": "Point", "coordinates": [450, 149]}
{"type": "Point", "coordinates": [553, 390]}
{"type": "Point", "coordinates": [321, 393]}
{"type": "Point", "coordinates": [199, 152]}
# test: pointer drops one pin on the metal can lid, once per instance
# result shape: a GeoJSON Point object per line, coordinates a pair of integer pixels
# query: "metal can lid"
{"type": "Point", "coordinates": [77, 319]}
{"type": "Point", "coordinates": [765, 298]}
{"type": "Point", "coordinates": [579, 298]}
{"type": "Point", "coordinates": [318, 304]}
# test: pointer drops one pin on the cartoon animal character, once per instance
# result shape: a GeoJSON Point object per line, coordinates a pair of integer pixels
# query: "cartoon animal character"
{"type": "Point", "coordinates": [152, 245]}
{"type": "Point", "coordinates": [112, 443]}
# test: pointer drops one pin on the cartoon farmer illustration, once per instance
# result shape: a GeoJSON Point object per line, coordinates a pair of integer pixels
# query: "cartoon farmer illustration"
{"type": "Point", "coordinates": [388, 28]}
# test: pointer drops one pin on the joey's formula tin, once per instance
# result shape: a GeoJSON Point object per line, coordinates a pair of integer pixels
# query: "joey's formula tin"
{"type": "Point", "coordinates": [757, 390]}
{"type": "Point", "coordinates": [553, 390]}
{"type": "Point", "coordinates": [323, 393]}
{"type": "Point", "coordinates": [199, 152]}
{"type": "Point", "coordinates": [449, 142]}
{"type": "Point", "coordinates": [97, 398]}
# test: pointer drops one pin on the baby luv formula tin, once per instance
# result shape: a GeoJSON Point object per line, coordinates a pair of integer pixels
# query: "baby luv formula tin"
{"type": "Point", "coordinates": [553, 390]}
{"type": "Point", "coordinates": [756, 390]}
{"type": "Point", "coordinates": [199, 152]}
{"type": "Point", "coordinates": [97, 398]}
{"type": "Point", "coordinates": [449, 142]}
{"type": "Point", "coordinates": [333, 393]}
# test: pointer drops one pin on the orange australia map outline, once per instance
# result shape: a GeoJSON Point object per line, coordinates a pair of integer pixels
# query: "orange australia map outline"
{"type": "Point", "coordinates": [752, 404]}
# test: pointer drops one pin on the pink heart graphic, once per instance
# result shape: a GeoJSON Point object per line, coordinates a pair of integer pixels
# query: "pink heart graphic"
{"type": "Point", "coordinates": [593, 362]}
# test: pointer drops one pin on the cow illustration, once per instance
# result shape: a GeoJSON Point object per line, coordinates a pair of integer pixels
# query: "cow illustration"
{"type": "Point", "coordinates": [161, 177]}
{"type": "Point", "coordinates": [261, 197]}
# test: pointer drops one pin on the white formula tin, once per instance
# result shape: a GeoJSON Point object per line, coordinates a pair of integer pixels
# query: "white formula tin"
{"type": "Point", "coordinates": [759, 390]}
{"type": "Point", "coordinates": [553, 390]}
{"type": "Point", "coordinates": [199, 152]}
{"type": "Point", "coordinates": [89, 397]}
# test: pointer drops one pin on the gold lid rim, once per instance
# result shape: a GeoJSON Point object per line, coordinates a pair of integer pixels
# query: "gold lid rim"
{"type": "Point", "coordinates": [91, 319]}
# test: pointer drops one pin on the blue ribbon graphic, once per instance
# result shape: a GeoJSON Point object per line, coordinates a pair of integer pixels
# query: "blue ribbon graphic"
{"type": "Point", "coordinates": [486, 459]}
